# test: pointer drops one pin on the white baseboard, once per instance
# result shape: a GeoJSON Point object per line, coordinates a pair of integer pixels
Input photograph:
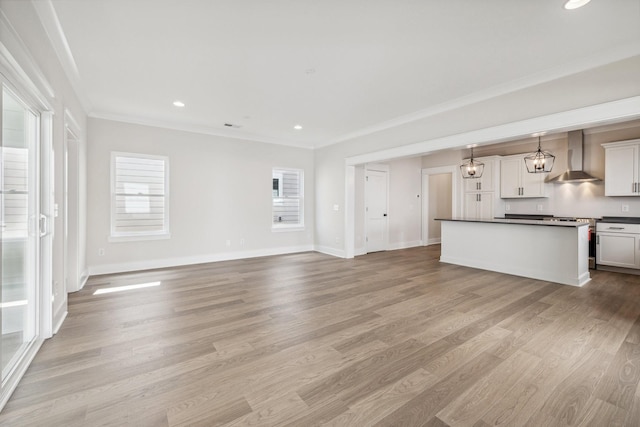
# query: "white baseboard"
{"type": "Point", "coordinates": [58, 324]}
{"type": "Point", "coordinates": [83, 278]}
{"type": "Point", "coordinates": [533, 273]}
{"type": "Point", "coordinates": [359, 251]}
{"type": "Point", "coordinates": [434, 241]}
{"type": "Point", "coordinates": [404, 245]}
{"type": "Point", "coordinates": [340, 253]}
{"type": "Point", "coordinates": [198, 259]}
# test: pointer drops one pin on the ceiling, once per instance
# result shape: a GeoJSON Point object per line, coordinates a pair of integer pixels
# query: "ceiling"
{"type": "Point", "coordinates": [338, 68]}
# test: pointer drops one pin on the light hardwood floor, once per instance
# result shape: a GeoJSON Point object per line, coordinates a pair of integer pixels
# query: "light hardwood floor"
{"type": "Point", "coordinates": [389, 339]}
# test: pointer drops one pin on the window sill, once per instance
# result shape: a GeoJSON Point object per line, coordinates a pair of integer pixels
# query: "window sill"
{"type": "Point", "coordinates": [286, 228]}
{"type": "Point", "coordinates": [137, 238]}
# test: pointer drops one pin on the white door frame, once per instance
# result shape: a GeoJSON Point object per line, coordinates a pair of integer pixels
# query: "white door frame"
{"type": "Point", "coordinates": [71, 136]}
{"type": "Point", "coordinates": [455, 195]}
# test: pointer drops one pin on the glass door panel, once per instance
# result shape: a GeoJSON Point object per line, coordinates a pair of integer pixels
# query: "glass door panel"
{"type": "Point", "coordinates": [19, 233]}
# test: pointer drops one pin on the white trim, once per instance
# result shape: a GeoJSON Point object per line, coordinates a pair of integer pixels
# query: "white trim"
{"type": "Point", "coordinates": [434, 241]}
{"type": "Point", "coordinates": [139, 235]}
{"type": "Point", "coordinates": [602, 58]}
{"type": "Point", "coordinates": [330, 251]}
{"type": "Point", "coordinates": [608, 112]}
{"type": "Point", "coordinates": [350, 214]}
{"type": "Point", "coordinates": [533, 272]}
{"type": "Point", "coordinates": [404, 245]}
{"type": "Point", "coordinates": [52, 27]}
{"type": "Point", "coordinates": [22, 68]}
{"type": "Point", "coordinates": [19, 372]}
{"type": "Point", "coordinates": [196, 259]}
{"type": "Point", "coordinates": [455, 195]}
{"type": "Point", "coordinates": [84, 276]}
{"type": "Point", "coordinates": [286, 228]}
{"type": "Point", "coordinates": [203, 130]}
{"type": "Point", "coordinates": [60, 321]}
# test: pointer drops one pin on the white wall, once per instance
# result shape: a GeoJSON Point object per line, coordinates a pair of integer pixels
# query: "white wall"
{"type": "Point", "coordinates": [220, 190]}
{"type": "Point", "coordinates": [40, 53]}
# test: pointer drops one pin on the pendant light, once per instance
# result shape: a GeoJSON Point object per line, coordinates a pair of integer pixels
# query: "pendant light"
{"type": "Point", "coordinates": [471, 168]}
{"type": "Point", "coordinates": [540, 161]}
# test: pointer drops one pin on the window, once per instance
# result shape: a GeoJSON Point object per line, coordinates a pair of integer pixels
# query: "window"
{"type": "Point", "coordinates": [139, 196]}
{"type": "Point", "coordinates": [287, 191]}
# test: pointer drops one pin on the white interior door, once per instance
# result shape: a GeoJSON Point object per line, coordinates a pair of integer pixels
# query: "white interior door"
{"type": "Point", "coordinates": [376, 196]}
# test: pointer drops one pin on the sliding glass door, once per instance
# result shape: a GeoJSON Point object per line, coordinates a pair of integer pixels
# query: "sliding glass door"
{"type": "Point", "coordinates": [20, 226]}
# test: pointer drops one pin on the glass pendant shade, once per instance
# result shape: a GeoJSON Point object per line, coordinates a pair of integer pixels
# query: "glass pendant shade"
{"type": "Point", "coordinates": [471, 168]}
{"type": "Point", "coordinates": [540, 161]}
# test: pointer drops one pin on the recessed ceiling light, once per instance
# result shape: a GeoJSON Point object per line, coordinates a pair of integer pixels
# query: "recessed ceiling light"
{"type": "Point", "coordinates": [297, 127]}
{"type": "Point", "coordinates": [574, 4]}
{"type": "Point", "coordinates": [178, 103]}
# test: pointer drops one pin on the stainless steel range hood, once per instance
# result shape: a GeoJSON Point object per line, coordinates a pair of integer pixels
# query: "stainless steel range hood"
{"type": "Point", "coordinates": [574, 160]}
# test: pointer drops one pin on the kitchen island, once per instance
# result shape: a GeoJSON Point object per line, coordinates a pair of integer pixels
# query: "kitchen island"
{"type": "Point", "coordinates": [545, 250]}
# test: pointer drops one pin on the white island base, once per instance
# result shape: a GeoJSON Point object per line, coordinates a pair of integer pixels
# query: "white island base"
{"type": "Point", "coordinates": [554, 252]}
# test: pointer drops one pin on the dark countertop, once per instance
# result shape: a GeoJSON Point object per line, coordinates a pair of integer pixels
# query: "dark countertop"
{"type": "Point", "coordinates": [573, 224]}
{"type": "Point", "coordinates": [621, 219]}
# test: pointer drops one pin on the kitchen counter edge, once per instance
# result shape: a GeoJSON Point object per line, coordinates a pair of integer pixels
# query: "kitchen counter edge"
{"type": "Point", "coordinates": [573, 224]}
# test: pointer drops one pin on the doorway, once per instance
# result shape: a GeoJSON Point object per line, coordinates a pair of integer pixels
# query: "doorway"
{"type": "Point", "coordinates": [439, 190]}
{"type": "Point", "coordinates": [376, 208]}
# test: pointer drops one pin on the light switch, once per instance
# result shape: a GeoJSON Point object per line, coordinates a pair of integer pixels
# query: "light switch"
{"type": "Point", "coordinates": [336, 208]}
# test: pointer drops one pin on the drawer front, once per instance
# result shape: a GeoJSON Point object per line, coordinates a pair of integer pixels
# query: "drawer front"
{"type": "Point", "coordinates": [618, 228]}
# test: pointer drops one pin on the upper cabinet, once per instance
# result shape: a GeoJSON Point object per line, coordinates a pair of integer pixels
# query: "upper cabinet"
{"type": "Point", "coordinates": [487, 182]}
{"type": "Point", "coordinates": [516, 182]}
{"type": "Point", "coordinates": [622, 168]}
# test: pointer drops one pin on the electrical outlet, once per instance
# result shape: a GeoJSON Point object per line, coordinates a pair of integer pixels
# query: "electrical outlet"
{"type": "Point", "coordinates": [539, 207]}
{"type": "Point", "coordinates": [336, 208]}
{"type": "Point", "coordinates": [625, 208]}
{"type": "Point", "coordinates": [101, 252]}
{"type": "Point", "coordinates": [242, 242]}
{"type": "Point", "coordinates": [507, 207]}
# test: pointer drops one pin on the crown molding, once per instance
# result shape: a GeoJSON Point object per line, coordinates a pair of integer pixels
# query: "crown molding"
{"type": "Point", "coordinates": [604, 58]}
{"type": "Point", "coordinates": [204, 130]}
{"type": "Point", "coordinates": [53, 29]}
{"type": "Point", "coordinates": [22, 67]}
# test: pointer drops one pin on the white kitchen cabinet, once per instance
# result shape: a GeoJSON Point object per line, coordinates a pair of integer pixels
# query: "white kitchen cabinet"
{"type": "Point", "coordinates": [479, 197]}
{"type": "Point", "coordinates": [622, 168]}
{"type": "Point", "coordinates": [479, 205]}
{"type": "Point", "coordinates": [618, 245]}
{"type": "Point", "coordinates": [487, 181]}
{"type": "Point", "coordinates": [517, 183]}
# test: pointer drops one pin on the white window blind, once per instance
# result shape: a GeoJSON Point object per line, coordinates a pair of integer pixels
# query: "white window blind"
{"type": "Point", "coordinates": [15, 194]}
{"type": "Point", "coordinates": [139, 200]}
{"type": "Point", "coordinates": [288, 202]}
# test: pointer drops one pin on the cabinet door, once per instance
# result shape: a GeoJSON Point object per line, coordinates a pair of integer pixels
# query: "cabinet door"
{"type": "Point", "coordinates": [472, 184]}
{"type": "Point", "coordinates": [620, 171]}
{"type": "Point", "coordinates": [532, 183]}
{"type": "Point", "coordinates": [471, 205]}
{"type": "Point", "coordinates": [618, 250]}
{"type": "Point", "coordinates": [510, 178]}
{"type": "Point", "coordinates": [485, 206]}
